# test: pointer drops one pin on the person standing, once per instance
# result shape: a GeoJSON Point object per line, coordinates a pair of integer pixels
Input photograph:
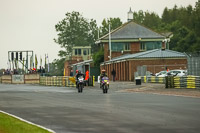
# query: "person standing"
{"type": "Point", "coordinates": [114, 74]}
{"type": "Point", "coordinates": [87, 77]}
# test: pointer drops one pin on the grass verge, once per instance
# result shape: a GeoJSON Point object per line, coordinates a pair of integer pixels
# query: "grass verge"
{"type": "Point", "coordinates": [9, 124]}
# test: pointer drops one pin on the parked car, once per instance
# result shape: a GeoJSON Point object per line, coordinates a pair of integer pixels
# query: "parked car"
{"type": "Point", "coordinates": [177, 72]}
{"type": "Point", "coordinates": [161, 74]}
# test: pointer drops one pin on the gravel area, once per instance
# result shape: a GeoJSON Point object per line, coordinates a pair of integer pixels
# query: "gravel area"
{"type": "Point", "coordinates": [160, 89]}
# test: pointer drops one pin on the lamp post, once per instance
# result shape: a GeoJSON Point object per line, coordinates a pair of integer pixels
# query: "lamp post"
{"type": "Point", "coordinates": [110, 42]}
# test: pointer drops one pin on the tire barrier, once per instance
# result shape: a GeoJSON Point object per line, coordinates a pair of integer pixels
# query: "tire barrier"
{"type": "Point", "coordinates": [58, 81]}
{"type": "Point", "coordinates": [62, 81]}
{"type": "Point", "coordinates": [187, 82]}
{"type": "Point", "coordinates": [174, 81]}
{"type": "Point", "coordinates": [169, 82]}
{"type": "Point", "coordinates": [183, 82]}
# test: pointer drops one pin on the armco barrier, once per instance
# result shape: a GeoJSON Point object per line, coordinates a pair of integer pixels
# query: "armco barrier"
{"type": "Point", "coordinates": [152, 79]}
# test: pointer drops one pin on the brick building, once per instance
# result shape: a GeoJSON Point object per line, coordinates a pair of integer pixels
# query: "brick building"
{"type": "Point", "coordinates": [154, 60]}
{"type": "Point", "coordinates": [131, 38]}
{"type": "Point", "coordinates": [133, 45]}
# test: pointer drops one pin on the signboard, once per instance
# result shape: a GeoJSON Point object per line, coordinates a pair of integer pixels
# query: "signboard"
{"type": "Point", "coordinates": [18, 79]}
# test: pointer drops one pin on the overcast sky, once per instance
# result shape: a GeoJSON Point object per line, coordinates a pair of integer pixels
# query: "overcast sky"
{"type": "Point", "coordinates": [29, 24]}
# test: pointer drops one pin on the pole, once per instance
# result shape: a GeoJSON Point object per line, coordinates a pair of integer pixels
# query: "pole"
{"type": "Point", "coordinates": [110, 42]}
{"type": "Point", "coordinates": [26, 61]}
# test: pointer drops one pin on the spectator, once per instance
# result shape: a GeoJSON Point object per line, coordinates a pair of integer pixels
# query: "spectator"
{"type": "Point", "coordinates": [87, 77]}
{"type": "Point", "coordinates": [71, 73]}
{"type": "Point", "coordinates": [114, 74]}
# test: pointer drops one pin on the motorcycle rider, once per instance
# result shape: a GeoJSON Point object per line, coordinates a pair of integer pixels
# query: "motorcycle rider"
{"type": "Point", "coordinates": [103, 74]}
{"type": "Point", "coordinates": [79, 74]}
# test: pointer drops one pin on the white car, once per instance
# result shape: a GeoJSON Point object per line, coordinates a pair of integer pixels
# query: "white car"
{"type": "Point", "coordinates": [177, 72]}
{"type": "Point", "coordinates": [161, 74]}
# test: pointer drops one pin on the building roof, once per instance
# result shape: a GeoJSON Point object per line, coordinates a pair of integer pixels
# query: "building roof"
{"type": "Point", "coordinates": [132, 30]}
{"type": "Point", "coordinates": [155, 53]}
{"type": "Point", "coordinates": [83, 62]}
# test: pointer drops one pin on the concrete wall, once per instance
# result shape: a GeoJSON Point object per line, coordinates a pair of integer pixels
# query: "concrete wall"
{"type": "Point", "coordinates": [17, 79]}
{"type": "Point", "coordinates": [31, 78]}
{"type": "Point", "coordinates": [7, 79]}
{"type": "Point", "coordinates": [21, 79]}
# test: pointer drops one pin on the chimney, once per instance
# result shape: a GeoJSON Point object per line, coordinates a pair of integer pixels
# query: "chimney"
{"type": "Point", "coordinates": [130, 15]}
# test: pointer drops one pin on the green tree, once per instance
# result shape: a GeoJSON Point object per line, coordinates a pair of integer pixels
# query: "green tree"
{"type": "Point", "coordinates": [98, 57]}
{"type": "Point", "coordinates": [57, 67]}
{"type": "Point", "coordinates": [75, 30]}
{"type": "Point", "coordinates": [139, 17]}
{"type": "Point", "coordinates": [166, 15]}
{"type": "Point", "coordinates": [152, 20]}
{"type": "Point", "coordinates": [196, 19]}
{"type": "Point", "coordinates": [114, 23]}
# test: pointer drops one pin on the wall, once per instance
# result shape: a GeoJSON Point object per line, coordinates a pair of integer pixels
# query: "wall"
{"type": "Point", "coordinates": [67, 66]}
{"type": "Point", "coordinates": [21, 79]}
{"type": "Point", "coordinates": [17, 79]}
{"type": "Point", "coordinates": [31, 78]}
{"type": "Point", "coordinates": [6, 79]}
{"type": "Point", "coordinates": [135, 47]}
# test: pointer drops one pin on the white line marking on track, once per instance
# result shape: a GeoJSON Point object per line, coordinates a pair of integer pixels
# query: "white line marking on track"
{"type": "Point", "coordinates": [28, 122]}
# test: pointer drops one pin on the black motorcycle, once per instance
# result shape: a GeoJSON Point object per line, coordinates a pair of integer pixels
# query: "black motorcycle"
{"type": "Point", "coordinates": [105, 84]}
{"type": "Point", "coordinates": [80, 84]}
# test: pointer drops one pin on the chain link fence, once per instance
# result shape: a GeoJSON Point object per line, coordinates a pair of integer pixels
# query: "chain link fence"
{"type": "Point", "coordinates": [193, 61]}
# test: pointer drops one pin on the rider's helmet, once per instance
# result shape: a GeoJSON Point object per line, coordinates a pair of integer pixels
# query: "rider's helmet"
{"type": "Point", "coordinates": [103, 71]}
{"type": "Point", "coordinates": [79, 71]}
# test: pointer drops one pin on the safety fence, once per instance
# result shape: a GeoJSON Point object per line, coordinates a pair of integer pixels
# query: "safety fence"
{"type": "Point", "coordinates": [63, 81]}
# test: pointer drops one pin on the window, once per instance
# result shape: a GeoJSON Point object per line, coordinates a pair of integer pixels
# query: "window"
{"type": "Point", "coordinates": [142, 46]}
{"type": "Point", "coordinates": [85, 51]}
{"type": "Point", "coordinates": [150, 45]}
{"type": "Point", "coordinates": [77, 51]}
{"type": "Point", "coordinates": [126, 46]}
{"type": "Point", "coordinates": [118, 46]}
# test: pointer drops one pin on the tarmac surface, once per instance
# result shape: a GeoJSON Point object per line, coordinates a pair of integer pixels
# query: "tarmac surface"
{"type": "Point", "coordinates": [127, 108]}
